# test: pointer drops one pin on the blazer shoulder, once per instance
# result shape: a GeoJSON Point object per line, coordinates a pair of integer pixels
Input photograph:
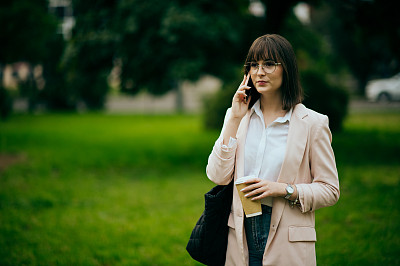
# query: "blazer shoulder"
{"type": "Point", "coordinates": [312, 117]}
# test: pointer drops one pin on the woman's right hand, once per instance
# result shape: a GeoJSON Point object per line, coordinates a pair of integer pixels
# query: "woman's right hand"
{"type": "Point", "coordinates": [240, 105]}
{"type": "Point", "coordinates": [240, 102]}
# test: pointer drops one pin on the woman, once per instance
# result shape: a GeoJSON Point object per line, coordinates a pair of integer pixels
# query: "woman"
{"type": "Point", "coordinates": [271, 135]}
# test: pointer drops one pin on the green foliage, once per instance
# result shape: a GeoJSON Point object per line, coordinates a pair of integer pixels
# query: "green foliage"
{"type": "Point", "coordinates": [126, 190]}
{"type": "Point", "coordinates": [27, 28]}
{"type": "Point", "coordinates": [27, 31]}
{"type": "Point", "coordinates": [156, 44]}
{"type": "Point", "coordinates": [318, 65]}
{"type": "Point", "coordinates": [325, 98]}
{"type": "Point", "coordinates": [57, 94]}
{"type": "Point", "coordinates": [5, 103]}
{"type": "Point", "coordinates": [89, 55]}
{"type": "Point", "coordinates": [164, 42]}
{"type": "Point", "coordinates": [28, 89]}
{"type": "Point", "coordinates": [366, 36]}
{"type": "Point", "coordinates": [215, 106]}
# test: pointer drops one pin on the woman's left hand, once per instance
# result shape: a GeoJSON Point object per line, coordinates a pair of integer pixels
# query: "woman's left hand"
{"type": "Point", "coordinates": [263, 188]}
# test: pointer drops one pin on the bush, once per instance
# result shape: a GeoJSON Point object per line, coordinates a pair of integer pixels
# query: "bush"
{"type": "Point", "coordinates": [5, 103]}
{"type": "Point", "coordinates": [325, 98]}
{"type": "Point", "coordinates": [215, 106]}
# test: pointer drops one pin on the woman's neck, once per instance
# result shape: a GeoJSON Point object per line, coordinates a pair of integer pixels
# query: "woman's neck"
{"type": "Point", "coordinates": [271, 107]}
{"type": "Point", "coordinates": [271, 104]}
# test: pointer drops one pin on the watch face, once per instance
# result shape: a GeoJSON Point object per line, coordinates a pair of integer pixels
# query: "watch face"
{"type": "Point", "coordinates": [290, 189]}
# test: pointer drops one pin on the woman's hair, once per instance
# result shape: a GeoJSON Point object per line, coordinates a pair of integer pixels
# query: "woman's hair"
{"type": "Point", "coordinates": [277, 48]}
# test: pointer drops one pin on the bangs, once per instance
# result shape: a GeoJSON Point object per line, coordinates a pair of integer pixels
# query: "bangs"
{"type": "Point", "coordinates": [263, 49]}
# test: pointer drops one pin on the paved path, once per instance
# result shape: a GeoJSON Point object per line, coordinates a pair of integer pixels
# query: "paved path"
{"type": "Point", "coordinates": [167, 104]}
{"type": "Point", "coordinates": [357, 106]}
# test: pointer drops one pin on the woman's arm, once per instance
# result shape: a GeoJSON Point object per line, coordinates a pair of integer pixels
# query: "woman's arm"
{"type": "Point", "coordinates": [221, 162]}
{"type": "Point", "coordinates": [324, 189]}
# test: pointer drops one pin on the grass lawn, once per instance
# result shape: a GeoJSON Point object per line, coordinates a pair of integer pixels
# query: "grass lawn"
{"type": "Point", "coordinates": [97, 189]}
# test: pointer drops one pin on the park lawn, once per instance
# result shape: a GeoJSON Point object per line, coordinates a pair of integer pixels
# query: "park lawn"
{"type": "Point", "coordinates": [96, 189]}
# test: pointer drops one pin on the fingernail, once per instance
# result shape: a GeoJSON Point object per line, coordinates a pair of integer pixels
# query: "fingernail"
{"type": "Point", "coordinates": [246, 195]}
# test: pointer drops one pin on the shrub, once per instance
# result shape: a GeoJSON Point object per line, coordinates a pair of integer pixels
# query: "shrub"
{"type": "Point", "coordinates": [215, 106]}
{"type": "Point", "coordinates": [5, 103]}
{"type": "Point", "coordinates": [325, 98]}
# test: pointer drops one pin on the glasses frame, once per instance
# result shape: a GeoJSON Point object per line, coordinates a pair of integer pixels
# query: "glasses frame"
{"type": "Point", "coordinates": [263, 67]}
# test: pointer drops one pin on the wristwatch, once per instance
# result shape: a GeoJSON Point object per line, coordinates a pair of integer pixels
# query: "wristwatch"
{"type": "Point", "coordinates": [289, 191]}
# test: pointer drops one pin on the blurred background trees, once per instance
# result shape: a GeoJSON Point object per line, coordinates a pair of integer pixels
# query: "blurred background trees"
{"type": "Point", "coordinates": [164, 42]}
{"type": "Point", "coordinates": [158, 44]}
{"type": "Point", "coordinates": [27, 29]}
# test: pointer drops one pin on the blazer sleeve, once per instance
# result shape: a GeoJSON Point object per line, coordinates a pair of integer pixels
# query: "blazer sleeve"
{"type": "Point", "coordinates": [324, 189]}
{"type": "Point", "coordinates": [221, 162]}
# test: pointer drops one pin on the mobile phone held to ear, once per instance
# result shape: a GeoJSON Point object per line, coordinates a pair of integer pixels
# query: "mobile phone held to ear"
{"type": "Point", "coordinates": [252, 90]}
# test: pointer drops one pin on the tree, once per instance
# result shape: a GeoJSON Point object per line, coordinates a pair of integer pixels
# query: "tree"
{"type": "Point", "coordinates": [89, 54]}
{"type": "Point", "coordinates": [163, 42]}
{"type": "Point", "coordinates": [27, 29]}
{"type": "Point", "coordinates": [158, 43]}
{"type": "Point", "coordinates": [365, 34]}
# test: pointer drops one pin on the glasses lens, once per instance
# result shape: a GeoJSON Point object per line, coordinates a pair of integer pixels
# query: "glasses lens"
{"type": "Point", "coordinates": [269, 66]}
{"type": "Point", "coordinates": [253, 67]}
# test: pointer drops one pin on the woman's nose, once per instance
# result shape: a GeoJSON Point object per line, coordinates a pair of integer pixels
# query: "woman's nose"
{"type": "Point", "coordinates": [260, 70]}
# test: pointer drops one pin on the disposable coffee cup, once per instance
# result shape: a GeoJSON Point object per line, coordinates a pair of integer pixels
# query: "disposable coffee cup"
{"type": "Point", "coordinates": [251, 207]}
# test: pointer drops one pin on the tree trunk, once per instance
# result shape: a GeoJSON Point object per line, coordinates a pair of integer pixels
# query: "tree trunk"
{"type": "Point", "coordinates": [179, 97]}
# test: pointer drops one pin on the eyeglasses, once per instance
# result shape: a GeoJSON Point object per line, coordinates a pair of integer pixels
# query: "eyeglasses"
{"type": "Point", "coordinates": [268, 66]}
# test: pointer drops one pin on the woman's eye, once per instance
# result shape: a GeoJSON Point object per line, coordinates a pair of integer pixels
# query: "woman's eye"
{"type": "Point", "coordinates": [253, 64]}
{"type": "Point", "coordinates": [269, 63]}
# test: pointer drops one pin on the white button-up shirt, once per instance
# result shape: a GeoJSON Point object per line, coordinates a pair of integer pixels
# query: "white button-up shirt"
{"type": "Point", "coordinates": [265, 146]}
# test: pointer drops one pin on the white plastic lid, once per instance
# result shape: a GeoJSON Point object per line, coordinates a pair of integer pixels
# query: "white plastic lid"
{"type": "Point", "coordinates": [244, 179]}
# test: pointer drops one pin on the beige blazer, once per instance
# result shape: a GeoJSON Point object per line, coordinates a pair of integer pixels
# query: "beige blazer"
{"type": "Point", "coordinates": [309, 163]}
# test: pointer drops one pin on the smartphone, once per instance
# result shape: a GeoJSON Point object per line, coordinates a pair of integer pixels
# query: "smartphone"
{"type": "Point", "coordinates": [255, 95]}
{"type": "Point", "coordinates": [252, 90]}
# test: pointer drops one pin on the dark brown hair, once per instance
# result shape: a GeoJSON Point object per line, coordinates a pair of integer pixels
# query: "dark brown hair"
{"type": "Point", "coordinates": [277, 48]}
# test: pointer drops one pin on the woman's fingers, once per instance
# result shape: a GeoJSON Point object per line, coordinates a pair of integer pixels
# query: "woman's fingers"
{"type": "Point", "coordinates": [251, 185]}
{"type": "Point", "coordinates": [257, 189]}
{"type": "Point", "coordinates": [247, 79]}
{"type": "Point", "coordinates": [243, 89]}
{"type": "Point", "coordinates": [241, 94]}
{"type": "Point", "coordinates": [261, 196]}
{"type": "Point", "coordinates": [252, 180]}
{"type": "Point", "coordinates": [243, 81]}
{"type": "Point", "coordinates": [255, 192]}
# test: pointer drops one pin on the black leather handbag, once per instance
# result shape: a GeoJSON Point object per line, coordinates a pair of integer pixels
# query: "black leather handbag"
{"type": "Point", "coordinates": [209, 238]}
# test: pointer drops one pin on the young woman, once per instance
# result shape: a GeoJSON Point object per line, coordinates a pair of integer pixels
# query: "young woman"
{"type": "Point", "coordinates": [287, 146]}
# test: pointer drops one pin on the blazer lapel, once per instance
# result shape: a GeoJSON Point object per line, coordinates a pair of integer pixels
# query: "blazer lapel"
{"type": "Point", "coordinates": [295, 147]}
{"type": "Point", "coordinates": [296, 142]}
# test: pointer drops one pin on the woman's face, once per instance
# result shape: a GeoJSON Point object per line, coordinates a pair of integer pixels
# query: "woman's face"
{"type": "Point", "coordinates": [267, 83]}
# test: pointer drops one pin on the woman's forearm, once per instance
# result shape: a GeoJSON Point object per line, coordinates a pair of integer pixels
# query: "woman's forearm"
{"type": "Point", "coordinates": [231, 129]}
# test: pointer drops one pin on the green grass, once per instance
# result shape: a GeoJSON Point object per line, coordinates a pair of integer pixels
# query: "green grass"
{"type": "Point", "coordinates": [97, 189]}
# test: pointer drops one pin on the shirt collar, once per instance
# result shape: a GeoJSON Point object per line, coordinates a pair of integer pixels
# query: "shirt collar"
{"type": "Point", "coordinates": [257, 109]}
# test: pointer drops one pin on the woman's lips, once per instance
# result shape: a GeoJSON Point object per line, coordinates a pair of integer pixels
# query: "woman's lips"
{"type": "Point", "coordinates": [261, 82]}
